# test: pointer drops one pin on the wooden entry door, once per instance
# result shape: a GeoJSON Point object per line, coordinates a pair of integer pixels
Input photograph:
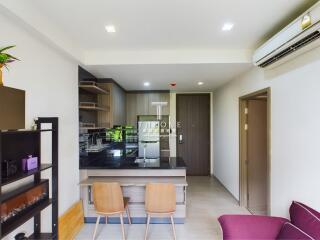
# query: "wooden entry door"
{"type": "Point", "coordinates": [193, 132]}
{"type": "Point", "coordinates": [257, 156]}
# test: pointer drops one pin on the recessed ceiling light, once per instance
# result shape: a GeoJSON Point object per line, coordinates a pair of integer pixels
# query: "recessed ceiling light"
{"type": "Point", "coordinates": [110, 29]}
{"type": "Point", "coordinates": [146, 84]}
{"type": "Point", "coordinates": [200, 83]}
{"type": "Point", "coordinates": [227, 27]}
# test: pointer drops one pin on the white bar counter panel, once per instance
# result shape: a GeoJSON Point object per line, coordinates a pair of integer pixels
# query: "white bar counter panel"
{"type": "Point", "coordinates": [133, 182]}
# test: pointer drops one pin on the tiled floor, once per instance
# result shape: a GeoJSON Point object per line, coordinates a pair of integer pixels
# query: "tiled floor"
{"type": "Point", "coordinates": [207, 200]}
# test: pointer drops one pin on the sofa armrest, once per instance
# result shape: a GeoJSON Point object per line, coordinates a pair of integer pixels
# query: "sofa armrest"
{"type": "Point", "coordinates": [250, 226]}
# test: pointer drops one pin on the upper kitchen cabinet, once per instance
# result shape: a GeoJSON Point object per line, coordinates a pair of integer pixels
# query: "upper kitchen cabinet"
{"type": "Point", "coordinates": [153, 97]}
{"type": "Point", "coordinates": [102, 103]}
{"type": "Point", "coordinates": [116, 102]}
{"type": "Point", "coordinates": [165, 97]}
{"type": "Point", "coordinates": [140, 103]}
{"type": "Point", "coordinates": [94, 105]}
{"type": "Point", "coordinates": [131, 109]}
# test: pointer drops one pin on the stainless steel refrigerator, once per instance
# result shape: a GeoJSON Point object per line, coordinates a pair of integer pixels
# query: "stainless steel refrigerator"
{"type": "Point", "coordinates": [149, 139]}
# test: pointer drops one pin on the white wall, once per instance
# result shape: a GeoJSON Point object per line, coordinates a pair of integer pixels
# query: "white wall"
{"type": "Point", "coordinates": [50, 82]}
{"type": "Point", "coordinates": [295, 130]}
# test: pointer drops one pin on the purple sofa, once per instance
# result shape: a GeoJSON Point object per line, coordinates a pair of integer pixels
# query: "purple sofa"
{"type": "Point", "coordinates": [304, 224]}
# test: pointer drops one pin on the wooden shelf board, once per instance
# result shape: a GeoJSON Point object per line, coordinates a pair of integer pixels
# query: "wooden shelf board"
{"type": "Point", "coordinates": [91, 128]}
{"type": "Point", "coordinates": [92, 88]}
{"type": "Point", "coordinates": [22, 175]}
{"type": "Point", "coordinates": [93, 108]}
{"type": "Point", "coordinates": [9, 226]}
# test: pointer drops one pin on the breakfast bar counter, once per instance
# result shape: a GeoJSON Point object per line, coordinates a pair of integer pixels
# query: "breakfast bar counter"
{"type": "Point", "coordinates": [133, 175]}
{"type": "Point", "coordinates": [110, 162]}
{"type": "Point", "coordinates": [135, 181]}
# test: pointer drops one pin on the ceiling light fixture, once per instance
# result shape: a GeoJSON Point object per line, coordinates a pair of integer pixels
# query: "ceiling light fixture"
{"type": "Point", "coordinates": [200, 83]}
{"type": "Point", "coordinates": [146, 84]}
{"type": "Point", "coordinates": [110, 29]}
{"type": "Point", "coordinates": [227, 27]}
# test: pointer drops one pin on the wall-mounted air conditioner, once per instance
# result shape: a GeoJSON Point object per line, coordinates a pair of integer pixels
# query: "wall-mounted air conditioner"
{"type": "Point", "coordinates": [300, 36]}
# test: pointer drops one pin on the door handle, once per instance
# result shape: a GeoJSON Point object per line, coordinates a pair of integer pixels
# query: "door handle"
{"type": "Point", "coordinates": [180, 140]}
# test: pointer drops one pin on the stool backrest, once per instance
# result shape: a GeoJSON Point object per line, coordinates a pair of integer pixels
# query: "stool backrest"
{"type": "Point", "coordinates": [160, 198]}
{"type": "Point", "coordinates": [107, 197]}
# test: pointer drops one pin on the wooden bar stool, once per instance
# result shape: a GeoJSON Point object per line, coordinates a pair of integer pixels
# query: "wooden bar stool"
{"type": "Point", "coordinates": [108, 200]}
{"type": "Point", "coordinates": [160, 200]}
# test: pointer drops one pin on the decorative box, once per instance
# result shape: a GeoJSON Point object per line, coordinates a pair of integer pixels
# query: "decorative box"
{"type": "Point", "coordinates": [29, 163]}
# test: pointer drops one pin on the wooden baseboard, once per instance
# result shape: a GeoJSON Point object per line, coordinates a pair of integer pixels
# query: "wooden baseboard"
{"type": "Point", "coordinates": [71, 222]}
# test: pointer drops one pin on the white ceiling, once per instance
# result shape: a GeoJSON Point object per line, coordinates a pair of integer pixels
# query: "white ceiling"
{"type": "Point", "coordinates": [159, 41]}
{"type": "Point", "coordinates": [167, 24]}
{"type": "Point", "coordinates": [160, 76]}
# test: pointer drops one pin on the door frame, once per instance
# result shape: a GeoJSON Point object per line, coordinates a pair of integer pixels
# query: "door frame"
{"type": "Point", "coordinates": [210, 121]}
{"type": "Point", "coordinates": [243, 173]}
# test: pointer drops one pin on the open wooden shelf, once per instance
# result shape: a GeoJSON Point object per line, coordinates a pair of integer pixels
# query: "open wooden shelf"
{"type": "Point", "coordinates": [92, 108]}
{"type": "Point", "coordinates": [22, 175]}
{"type": "Point", "coordinates": [9, 226]}
{"type": "Point", "coordinates": [91, 128]}
{"type": "Point", "coordinates": [92, 87]}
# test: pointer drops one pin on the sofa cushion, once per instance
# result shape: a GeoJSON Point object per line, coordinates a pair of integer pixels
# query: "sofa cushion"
{"type": "Point", "coordinates": [306, 219]}
{"type": "Point", "coordinates": [310, 209]}
{"type": "Point", "coordinates": [289, 232]}
{"type": "Point", "coordinates": [250, 227]}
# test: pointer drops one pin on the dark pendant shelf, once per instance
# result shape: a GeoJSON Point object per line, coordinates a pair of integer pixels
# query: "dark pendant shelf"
{"type": "Point", "coordinates": [24, 216]}
{"type": "Point", "coordinates": [22, 175]}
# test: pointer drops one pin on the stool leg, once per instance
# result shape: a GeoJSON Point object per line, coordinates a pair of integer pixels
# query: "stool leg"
{"type": "Point", "coordinates": [128, 214]}
{"type": "Point", "coordinates": [148, 221]}
{"type": "Point", "coordinates": [173, 228]}
{"type": "Point", "coordinates": [96, 227]}
{"type": "Point", "coordinates": [122, 226]}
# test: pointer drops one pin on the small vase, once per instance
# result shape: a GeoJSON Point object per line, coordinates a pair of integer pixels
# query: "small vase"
{"type": "Point", "coordinates": [1, 82]}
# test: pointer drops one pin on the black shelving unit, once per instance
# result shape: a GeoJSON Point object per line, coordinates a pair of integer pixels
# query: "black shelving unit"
{"type": "Point", "coordinates": [15, 145]}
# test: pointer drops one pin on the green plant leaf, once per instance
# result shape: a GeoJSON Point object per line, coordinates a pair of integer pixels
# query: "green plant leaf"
{"type": "Point", "coordinates": [6, 48]}
{"type": "Point", "coordinates": [3, 58]}
{"type": "Point", "coordinates": [10, 56]}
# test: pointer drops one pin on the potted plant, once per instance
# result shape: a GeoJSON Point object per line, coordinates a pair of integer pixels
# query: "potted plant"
{"type": "Point", "coordinates": [5, 58]}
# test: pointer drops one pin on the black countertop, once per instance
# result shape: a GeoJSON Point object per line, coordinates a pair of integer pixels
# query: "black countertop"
{"type": "Point", "coordinates": [111, 162]}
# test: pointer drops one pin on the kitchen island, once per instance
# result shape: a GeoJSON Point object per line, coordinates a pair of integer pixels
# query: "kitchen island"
{"type": "Point", "coordinates": [133, 174]}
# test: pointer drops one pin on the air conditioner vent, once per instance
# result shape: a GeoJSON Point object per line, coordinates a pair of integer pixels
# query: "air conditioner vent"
{"type": "Point", "coordinates": [303, 42]}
